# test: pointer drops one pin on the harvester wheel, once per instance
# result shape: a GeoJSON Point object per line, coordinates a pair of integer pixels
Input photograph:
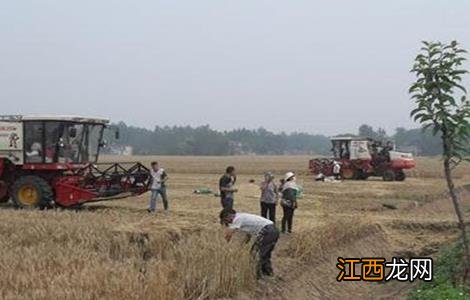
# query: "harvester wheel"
{"type": "Point", "coordinates": [4, 196]}
{"type": "Point", "coordinates": [32, 191]}
{"type": "Point", "coordinates": [347, 173]}
{"type": "Point", "coordinates": [400, 175]}
{"type": "Point", "coordinates": [388, 175]}
{"type": "Point", "coordinates": [361, 175]}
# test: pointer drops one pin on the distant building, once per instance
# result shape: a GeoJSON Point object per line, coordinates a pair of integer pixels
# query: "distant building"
{"type": "Point", "coordinates": [121, 150]}
{"type": "Point", "coordinates": [127, 150]}
{"type": "Point", "coordinates": [236, 148]}
{"type": "Point", "coordinates": [411, 149]}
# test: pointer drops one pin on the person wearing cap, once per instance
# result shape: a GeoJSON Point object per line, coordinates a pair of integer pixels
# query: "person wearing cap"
{"type": "Point", "coordinates": [269, 197]}
{"type": "Point", "coordinates": [262, 229]}
{"type": "Point", "coordinates": [288, 201]}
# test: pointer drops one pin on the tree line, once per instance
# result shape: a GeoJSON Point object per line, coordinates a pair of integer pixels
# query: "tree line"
{"type": "Point", "coordinates": [203, 140]}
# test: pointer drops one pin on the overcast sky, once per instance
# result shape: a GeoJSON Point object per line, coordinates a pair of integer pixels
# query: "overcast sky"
{"type": "Point", "coordinates": [314, 66]}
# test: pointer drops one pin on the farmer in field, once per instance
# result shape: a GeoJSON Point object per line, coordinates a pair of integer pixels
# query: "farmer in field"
{"type": "Point", "coordinates": [289, 201]}
{"type": "Point", "coordinates": [226, 187]}
{"type": "Point", "coordinates": [337, 170]}
{"type": "Point", "coordinates": [263, 229]}
{"type": "Point", "coordinates": [158, 187]}
{"type": "Point", "coordinates": [269, 197]}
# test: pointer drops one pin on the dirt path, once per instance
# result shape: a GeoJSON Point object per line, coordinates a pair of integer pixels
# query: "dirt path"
{"type": "Point", "coordinates": [417, 231]}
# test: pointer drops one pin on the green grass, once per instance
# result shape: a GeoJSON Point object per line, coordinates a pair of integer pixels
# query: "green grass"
{"type": "Point", "coordinates": [445, 285]}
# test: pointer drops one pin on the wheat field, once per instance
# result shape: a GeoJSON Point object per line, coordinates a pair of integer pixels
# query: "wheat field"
{"type": "Point", "coordinates": [116, 250]}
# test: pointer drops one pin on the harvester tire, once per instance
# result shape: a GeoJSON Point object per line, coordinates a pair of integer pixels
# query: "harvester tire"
{"type": "Point", "coordinates": [32, 191]}
{"type": "Point", "coordinates": [4, 199]}
{"type": "Point", "coordinates": [400, 175]}
{"type": "Point", "coordinates": [348, 173]}
{"type": "Point", "coordinates": [361, 175]}
{"type": "Point", "coordinates": [4, 195]}
{"type": "Point", "coordinates": [388, 175]}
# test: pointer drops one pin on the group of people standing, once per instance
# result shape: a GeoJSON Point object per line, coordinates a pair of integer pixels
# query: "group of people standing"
{"type": "Point", "coordinates": [271, 193]}
{"type": "Point", "coordinates": [262, 228]}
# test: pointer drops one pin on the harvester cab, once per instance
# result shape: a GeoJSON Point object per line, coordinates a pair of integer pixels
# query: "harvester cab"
{"type": "Point", "coordinates": [53, 160]}
{"type": "Point", "coordinates": [361, 158]}
{"type": "Point", "coordinates": [349, 148]}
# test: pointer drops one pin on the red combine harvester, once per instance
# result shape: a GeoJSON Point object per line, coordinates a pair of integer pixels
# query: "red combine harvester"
{"type": "Point", "coordinates": [48, 160]}
{"type": "Point", "coordinates": [360, 158]}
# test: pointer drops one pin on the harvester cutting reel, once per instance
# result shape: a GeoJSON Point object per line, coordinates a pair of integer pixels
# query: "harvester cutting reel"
{"type": "Point", "coordinates": [115, 179]}
{"type": "Point", "coordinates": [101, 182]}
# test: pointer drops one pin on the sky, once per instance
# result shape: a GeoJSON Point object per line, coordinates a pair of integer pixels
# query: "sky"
{"type": "Point", "coordinates": [300, 65]}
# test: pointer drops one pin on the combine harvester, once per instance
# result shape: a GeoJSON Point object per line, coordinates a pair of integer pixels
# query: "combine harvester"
{"type": "Point", "coordinates": [52, 160]}
{"type": "Point", "coordinates": [361, 157]}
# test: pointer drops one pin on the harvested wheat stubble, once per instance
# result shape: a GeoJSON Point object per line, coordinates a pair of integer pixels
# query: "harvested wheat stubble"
{"type": "Point", "coordinates": [115, 250]}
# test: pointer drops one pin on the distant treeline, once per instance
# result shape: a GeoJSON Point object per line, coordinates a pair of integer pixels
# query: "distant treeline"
{"type": "Point", "coordinates": [202, 140]}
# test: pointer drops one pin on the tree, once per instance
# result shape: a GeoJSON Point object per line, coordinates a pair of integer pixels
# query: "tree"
{"type": "Point", "coordinates": [423, 140]}
{"type": "Point", "coordinates": [202, 140]}
{"type": "Point", "coordinates": [441, 105]}
{"type": "Point", "coordinates": [381, 134]}
{"type": "Point", "coordinates": [367, 131]}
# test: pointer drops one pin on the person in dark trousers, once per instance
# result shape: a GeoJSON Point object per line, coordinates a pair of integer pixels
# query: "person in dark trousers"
{"type": "Point", "coordinates": [269, 197]}
{"type": "Point", "coordinates": [226, 187]}
{"type": "Point", "coordinates": [157, 187]}
{"type": "Point", "coordinates": [262, 229]}
{"type": "Point", "coordinates": [288, 201]}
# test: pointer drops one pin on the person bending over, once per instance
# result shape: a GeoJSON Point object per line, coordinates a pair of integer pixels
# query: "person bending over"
{"type": "Point", "coordinates": [263, 229]}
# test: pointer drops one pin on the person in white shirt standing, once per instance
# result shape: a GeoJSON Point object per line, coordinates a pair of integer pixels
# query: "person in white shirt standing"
{"type": "Point", "coordinates": [158, 187]}
{"type": "Point", "coordinates": [337, 170]}
{"type": "Point", "coordinates": [263, 229]}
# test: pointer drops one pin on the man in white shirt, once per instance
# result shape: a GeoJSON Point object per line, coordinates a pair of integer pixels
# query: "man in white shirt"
{"type": "Point", "coordinates": [337, 170]}
{"type": "Point", "coordinates": [263, 229]}
{"type": "Point", "coordinates": [158, 187]}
